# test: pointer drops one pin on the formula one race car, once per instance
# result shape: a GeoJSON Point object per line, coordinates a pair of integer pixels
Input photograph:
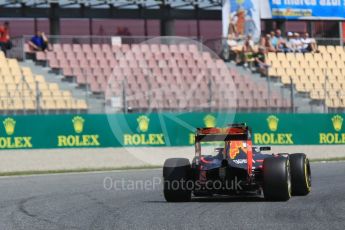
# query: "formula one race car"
{"type": "Point", "coordinates": [235, 168]}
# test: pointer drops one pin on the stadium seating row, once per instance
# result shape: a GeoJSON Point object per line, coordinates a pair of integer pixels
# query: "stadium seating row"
{"type": "Point", "coordinates": [320, 75]}
{"type": "Point", "coordinates": [20, 90]}
{"type": "Point", "coordinates": [160, 76]}
{"type": "Point", "coordinates": [154, 48]}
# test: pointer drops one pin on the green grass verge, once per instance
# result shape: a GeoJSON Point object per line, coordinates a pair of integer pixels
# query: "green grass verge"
{"type": "Point", "coordinates": [80, 170]}
{"type": "Point", "coordinates": [327, 159]}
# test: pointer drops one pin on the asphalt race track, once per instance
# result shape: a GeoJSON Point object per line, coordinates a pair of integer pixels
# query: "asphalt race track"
{"type": "Point", "coordinates": [84, 201]}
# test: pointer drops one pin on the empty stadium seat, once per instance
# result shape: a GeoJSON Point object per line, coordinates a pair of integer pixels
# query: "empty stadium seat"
{"type": "Point", "coordinates": [314, 73]}
{"type": "Point", "coordinates": [18, 91]}
{"type": "Point", "coordinates": [155, 76]}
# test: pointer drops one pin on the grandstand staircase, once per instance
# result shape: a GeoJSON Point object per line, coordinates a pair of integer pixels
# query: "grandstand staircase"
{"type": "Point", "coordinates": [301, 103]}
{"type": "Point", "coordinates": [96, 105]}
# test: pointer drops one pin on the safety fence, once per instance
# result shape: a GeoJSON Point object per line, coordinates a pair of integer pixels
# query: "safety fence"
{"type": "Point", "coordinates": [162, 129]}
{"type": "Point", "coordinates": [90, 61]}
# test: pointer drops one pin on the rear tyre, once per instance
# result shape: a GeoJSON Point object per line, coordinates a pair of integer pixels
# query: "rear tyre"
{"type": "Point", "coordinates": [202, 194]}
{"type": "Point", "coordinates": [300, 174]}
{"type": "Point", "coordinates": [277, 181]}
{"type": "Point", "coordinates": [176, 175]}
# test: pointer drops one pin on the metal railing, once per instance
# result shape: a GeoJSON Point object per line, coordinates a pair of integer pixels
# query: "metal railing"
{"type": "Point", "coordinates": [98, 102]}
{"type": "Point", "coordinates": [22, 97]}
{"type": "Point", "coordinates": [221, 47]}
{"type": "Point", "coordinates": [17, 50]}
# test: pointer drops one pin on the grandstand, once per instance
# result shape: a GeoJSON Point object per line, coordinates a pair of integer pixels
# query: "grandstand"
{"type": "Point", "coordinates": [183, 77]}
{"type": "Point", "coordinates": [160, 77]}
{"type": "Point", "coordinates": [88, 73]}
{"type": "Point", "coordinates": [23, 92]}
{"type": "Point", "coordinates": [319, 76]}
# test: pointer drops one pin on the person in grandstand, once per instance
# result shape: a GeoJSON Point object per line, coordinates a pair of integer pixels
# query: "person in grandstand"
{"type": "Point", "coordinates": [234, 46]}
{"type": "Point", "coordinates": [290, 42]}
{"type": "Point", "coordinates": [274, 39]}
{"type": "Point", "coordinates": [247, 51]}
{"type": "Point", "coordinates": [260, 61]}
{"type": "Point", "coordinates": [309, 44]}
{"type": "Point", "coordinates": [5, 39]}
{"type": "Point", "coordinates": [268, 44]}
{"type": "Point", "coordinates": [262, 40]}
{"type": "Point", "coordinates": [39, 42]}
{"type": "Point", "coordinates": [279, 42]}
{"type": "Point", "coordinates": [297, 44]}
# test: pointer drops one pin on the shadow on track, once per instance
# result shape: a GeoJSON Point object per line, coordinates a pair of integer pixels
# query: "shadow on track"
{"type": "Point", "coordinates": [218, 199]}
{"type": "Point", "coordinates": [228, 199]}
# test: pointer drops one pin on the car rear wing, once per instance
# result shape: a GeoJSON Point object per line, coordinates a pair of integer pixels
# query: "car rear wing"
{"type": "Point", "coordinates": [234, 132]}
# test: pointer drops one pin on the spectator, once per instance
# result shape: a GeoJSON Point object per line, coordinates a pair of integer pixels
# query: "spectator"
{"type": "Point", "coordinates": [234, 47]}
{"type": "Point", "coordinates": [247, 50]}
{"type": "Point", "coordinates": [5, 39]}
{"type": "Point", "coordinates": [268, 44]}
{"type": "Point", "coordinates": [232, 41]}
{"type": "Point", "coordinates": [262, 41]}
{"type": "Point", "coordinates": [279, 42]}
{"type": "Point", "coordinates": [260, 61]}
{"type": "Point", "coordinates": [249, 40]}
{"type": "Point", "coordinates": [274, 39]}
{"type": "Point", "coordinates": [308, 44]}
{"type": "Point", "coordinates": [39, 42]}
{"type": "Point", "coordinates": [297, 44]}
{"type": "Point", "coordinates": [290, 42]}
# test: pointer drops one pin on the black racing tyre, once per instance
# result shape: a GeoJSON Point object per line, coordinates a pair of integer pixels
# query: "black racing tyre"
{"type": "Point", "coordinates": [277, 181]}
{"type": "Point", "coordinates": [202, 194]}
{"type": "Point", "coordinates": [300, 174]}
{"type": "Point", "coordinates": [176, 175]}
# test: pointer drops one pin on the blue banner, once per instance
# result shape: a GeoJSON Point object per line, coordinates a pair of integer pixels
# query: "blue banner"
{"type": "Point", "coordinates": [307, 9]}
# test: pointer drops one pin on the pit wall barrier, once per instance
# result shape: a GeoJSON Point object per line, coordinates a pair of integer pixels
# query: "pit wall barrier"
{"type": "Point", "coordinates": [162, 129]}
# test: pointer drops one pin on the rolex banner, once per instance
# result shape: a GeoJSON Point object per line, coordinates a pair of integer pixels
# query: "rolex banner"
{"type": "Point", "coordinates": [163, 129]}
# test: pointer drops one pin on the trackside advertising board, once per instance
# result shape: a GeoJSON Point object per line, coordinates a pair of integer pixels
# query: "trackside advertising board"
{"type": "Point", "coordinates": [303, 9]}
{"type": "Point", "coordinates": [242, 17]}
{"type": "Point", "coordinates": [163, 129]}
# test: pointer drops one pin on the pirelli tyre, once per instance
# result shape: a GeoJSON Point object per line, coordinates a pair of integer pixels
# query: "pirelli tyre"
{"type": "Point", "coordinates": [276, 178]}
{"type": "Point", "coordinates": [300, 174]}
{"type": "Point", "coordinates": [176, 175]}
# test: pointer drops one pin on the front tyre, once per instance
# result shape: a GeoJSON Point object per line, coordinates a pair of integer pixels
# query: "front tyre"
{"type": "Point", "coordinates": [300, 174]}
{"type": "Point", "coordinates": [176, 175]}
{"type": "Point", "coordinates": [277, 181]}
